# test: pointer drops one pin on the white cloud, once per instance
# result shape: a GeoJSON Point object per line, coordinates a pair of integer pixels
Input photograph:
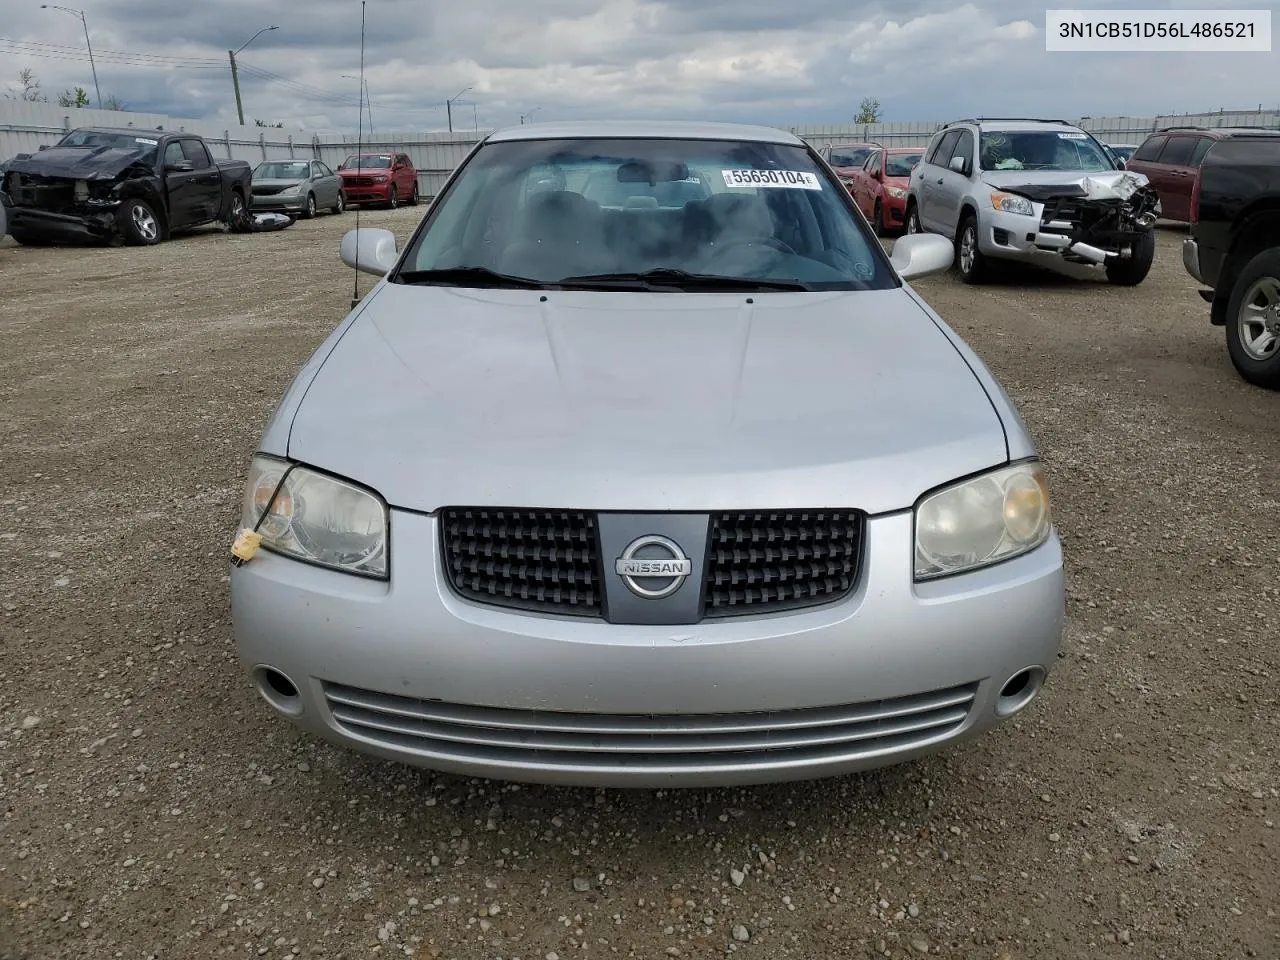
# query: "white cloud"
{"type": "Point", "coordinates": [785, 62]}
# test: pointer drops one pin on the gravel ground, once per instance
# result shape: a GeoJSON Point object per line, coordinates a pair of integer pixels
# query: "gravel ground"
{"type": "Point", "coordinates": [154, 808]}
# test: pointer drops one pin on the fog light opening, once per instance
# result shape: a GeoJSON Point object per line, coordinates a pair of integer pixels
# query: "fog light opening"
{"type": "Point", "coordinates": [1019, 690]}
{"type": "Point", "coordinates": [278, 690]}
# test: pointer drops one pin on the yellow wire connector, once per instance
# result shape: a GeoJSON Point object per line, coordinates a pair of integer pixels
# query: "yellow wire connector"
{"type": "Point", "coordinates": [245, 546]}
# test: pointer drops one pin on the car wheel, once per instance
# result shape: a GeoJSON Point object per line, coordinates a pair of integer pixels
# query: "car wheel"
{"type": "Point", "coordinates": [971, 261]}
{"type": "Point", "coordinates": [392, 200]}
{"type": "Point", "coordinates": [413, 195]}
{"type": "Point", "coordinates": [237, 212]}
{"type": "Point", "coordinates": [1132, 271]}
{"type": "Point", "coordinates": [341, 205]}
{"type": "Point", "coordinates": [913, 219]}
{"type": "Point", "coordinates": [877, 220]}
{"type": "Point", "coordinates": [310, 212]}
{"type": "Point", "coordinates": [139, 223]}
{"type": "Point", "coordinates": [1253, 321]}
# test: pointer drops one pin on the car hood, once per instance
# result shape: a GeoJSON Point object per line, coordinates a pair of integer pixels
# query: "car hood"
{"type": "Point", "coordinates": [901, 183]}
{"type": "Point", "coordinates": [79, 163]}
{"type": "Point", "coordinates": [1044, 184]}
{"type": "Point", "coordinates": [364, 172]}
{"type": "Point", "coordinates": [437, 396]}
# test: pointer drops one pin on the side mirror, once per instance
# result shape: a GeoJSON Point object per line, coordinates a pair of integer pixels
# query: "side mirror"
{"type": "Point", "coordinates": [878, 173]}
{"type": "Point", "coordinates": [43, 146]}
{"type": "Point", "coordinates": [959, 165]}
{"type": "Point", "coordinates": [920, 254]}
{"type": "Point", "coordinates": [369, 250]}
{"type": "Point", "coordinates": [180, 166]}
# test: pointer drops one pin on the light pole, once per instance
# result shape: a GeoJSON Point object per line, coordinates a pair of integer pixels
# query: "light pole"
{"type": "Point", "coordinates": [448, 105]}
{"type": "Point", "coordinates": [84, 23]}
{"type": "Point", "coordinates": [368, 102]}
{"type": "Point", "coordinates": [525, 116]}
{"type": "Point", "coordinates": [235, 76]}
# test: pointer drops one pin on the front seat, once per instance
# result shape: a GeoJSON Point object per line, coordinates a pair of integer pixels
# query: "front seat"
{"type": "Point", "coordinates": [560, 234]}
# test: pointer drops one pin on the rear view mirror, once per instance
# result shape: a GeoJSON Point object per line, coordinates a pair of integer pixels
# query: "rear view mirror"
{"type": "Point", "coordinates": [43, 146]}
{"type": "Point", "coordinates": [959, 165]}
{"type": "Point", "coordinates": [369, 250]}
{"type": "Point", "coordinates": [652, 173]}
{"type": "Point", "coordinates": [920, 254]}
{"type": "Point", "coordinates": [180, 166]}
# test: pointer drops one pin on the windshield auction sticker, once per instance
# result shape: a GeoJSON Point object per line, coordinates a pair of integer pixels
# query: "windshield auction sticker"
{"type": "Point", "coordinates": [1134, 31]}
{"type": "Point", "coordinates": [785, 179]}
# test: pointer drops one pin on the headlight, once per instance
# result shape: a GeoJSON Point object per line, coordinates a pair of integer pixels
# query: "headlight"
{"type": "Point", "coordinates": [316, 518]}
{"type": "Point", "coordinates": [1010, 203]}
{"type": "Point", "coordinates": [289, 191]}
{"type": "Point", "coordinates": [381, 178]}
{"type": "Point", "coordinates": [982, 520]}
{"type": "Point", "coordinates": [897, 193]}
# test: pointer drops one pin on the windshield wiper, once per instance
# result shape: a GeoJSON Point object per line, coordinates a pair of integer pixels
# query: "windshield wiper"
{"type": "Point", "coordinates": [669, 276]}
{"type": "Point", "coordinates": [467, 277]}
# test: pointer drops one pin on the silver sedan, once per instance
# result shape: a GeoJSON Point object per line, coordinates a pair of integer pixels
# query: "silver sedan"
{"type": "Point", "coordinates": [298, 187]}
{"type": "Point", "coordinates": [682, 486]}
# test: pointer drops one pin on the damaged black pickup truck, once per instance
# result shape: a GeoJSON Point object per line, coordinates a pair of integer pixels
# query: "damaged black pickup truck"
{"type": "Point", "coordinates": [138, 186]}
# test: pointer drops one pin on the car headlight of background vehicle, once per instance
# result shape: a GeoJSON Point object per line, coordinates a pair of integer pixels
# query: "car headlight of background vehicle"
{"type": "Point", "coordinates": [1010, 203]}
{"type": "Point", "coordinates": [982, 520]}
{"type": "Point", "coordinates": [313, 517]}
{"type": "Point", "coordinates": [291, 191]}
{"type": "Point", "coordinates": [897, 193]}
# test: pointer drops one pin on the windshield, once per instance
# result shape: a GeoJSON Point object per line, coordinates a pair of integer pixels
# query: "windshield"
{"type": "Point", "coordinates": [549, 210]}
{"type": "Point", "coordinates": [850, 157]}
{"type": "Point", "coordinates": [1042, 150]}
{"type": "Point", "coordinates": [1124, 153]}
{"type": "Point", "coordinates": [366, 163]}
{"type": "Point", "coordinates": [282, 170]}
{"type": "Point", "coordinates": [900, 164]}
{"type": "Point", "coordinates": [117, 141]}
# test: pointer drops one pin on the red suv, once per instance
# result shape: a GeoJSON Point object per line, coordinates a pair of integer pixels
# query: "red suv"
{"type": "Point", "coordinates": [1170, 159]}
{"type": "Point", "coordinates": [386, 178]}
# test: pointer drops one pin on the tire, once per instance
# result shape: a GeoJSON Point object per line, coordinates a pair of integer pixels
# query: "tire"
{"type": "Point", "coordinates": [877, 220]}
{"type": "Point", "coordinates": [913, 219]}
{"type": "Point", "coordinates": [341, 205]}
{"type": "Point", "coordinates": [392, 199]}
{"type": "Point", "coordinates": [139, 224]}
{"type": "Point", "coordinates": [238, 211]}
{"type": "Point", "coordinates": [413, 196]}
{"type": "Point", "coordinates": [971, 261]}
{"type": "Point", "coordinates": [1131, 272]}
{"type": "Point", "coordinates": [310, 212]}
{"type": "Point", "coordinates": [1253, 337]}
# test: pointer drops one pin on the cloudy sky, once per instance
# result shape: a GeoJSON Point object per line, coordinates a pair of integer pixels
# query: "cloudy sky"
{"type": "Point", "coordinates": [782, 62]}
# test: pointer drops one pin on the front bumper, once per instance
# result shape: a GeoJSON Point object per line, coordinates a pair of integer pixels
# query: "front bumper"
{"type": "Point", "coordinates": [295, 203]}
{"type": "Point", "coordinates": [94, 225]}
{"type": "Point", "coordinates": [374, 193]}
{"type": "Point", "coordinates": [1022, 237]}
{"type": "Point", "coordinates": [408, 671]}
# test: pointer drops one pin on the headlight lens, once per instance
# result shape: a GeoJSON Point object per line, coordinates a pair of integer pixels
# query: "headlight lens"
{"type": "Point", "coordinates": [288, 191]}
{"type": "Point", "coordinates": [1010, 203]}
{"type": "Point", "coordinates": [316, 518]}
{"type": "Point", "coordinates": [982, 520]}
{"type": "Point", "coordinates": [897, 193]}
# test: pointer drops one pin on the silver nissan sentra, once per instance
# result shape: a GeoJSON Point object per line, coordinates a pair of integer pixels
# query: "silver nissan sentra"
{"type": "Point", "coordinates": [641, 465]}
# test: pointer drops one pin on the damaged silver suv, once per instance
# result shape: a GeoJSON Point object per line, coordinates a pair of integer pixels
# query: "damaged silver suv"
{"type": "Point", "coordinates": [1030, 189]}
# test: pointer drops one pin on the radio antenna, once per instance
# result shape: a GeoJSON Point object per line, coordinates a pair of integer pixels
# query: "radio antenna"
{"type": "Point", "coordinates": [355, 283]}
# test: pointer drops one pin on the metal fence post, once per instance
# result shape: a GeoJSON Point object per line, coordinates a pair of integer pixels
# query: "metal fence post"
{"type": "Point", "coordinates": [262, 144]}
{"type": "Point", "coordinates": [226, 138]}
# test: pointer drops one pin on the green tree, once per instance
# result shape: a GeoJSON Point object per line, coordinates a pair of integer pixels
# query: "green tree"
{"type": "Point", "coordinates": [263, 123]}
{"type": "Point", "coordinates": [868, 111]}
{"type": "Point", "coordinates": [112, 102]}
{"type": "Point", "coordinates": [74, 98]}
{"type": "Point", "coordinates": [30, 91]}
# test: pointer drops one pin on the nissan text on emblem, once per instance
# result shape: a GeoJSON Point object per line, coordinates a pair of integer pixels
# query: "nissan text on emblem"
{"type": "Point", "coordinates": [653, 567]}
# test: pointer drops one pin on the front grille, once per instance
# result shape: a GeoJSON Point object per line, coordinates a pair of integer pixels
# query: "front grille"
{"type": "Point", "coordinates": [359, 181]}
{"type": "Point", "coordinates": [766, 562]}
{"type": "Point", "coordinates": [545, 560]}
{"type": "Point", "coordinates": [648, 742]}
{"type": "Point", "coordinates": [266, 191]}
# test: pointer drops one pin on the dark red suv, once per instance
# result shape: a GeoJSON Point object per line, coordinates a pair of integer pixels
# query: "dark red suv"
{"type": "Point", "coordinates": [386, 178]}
{"type": "Point", "coordinates": [1170, 158]}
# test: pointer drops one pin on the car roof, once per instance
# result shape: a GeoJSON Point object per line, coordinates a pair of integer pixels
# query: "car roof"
{"type": "Point", "coordinates": [132, 131]}
{"type": "Point", "coordinates": [644, 130]}
{"type": "Point", "coordinates": [1216, 132]}
{"type": "Point", "coordinates": [1015, 125]}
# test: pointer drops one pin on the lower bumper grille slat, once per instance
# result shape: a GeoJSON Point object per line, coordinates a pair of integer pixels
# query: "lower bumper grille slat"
{"type": "Point", "coordinates": [436, 727]}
